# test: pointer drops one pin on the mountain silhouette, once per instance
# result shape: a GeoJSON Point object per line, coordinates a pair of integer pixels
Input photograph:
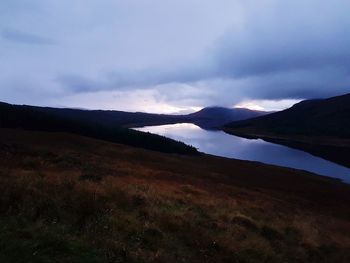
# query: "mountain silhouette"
{"type": "Point", "coordinates": [318, 117]}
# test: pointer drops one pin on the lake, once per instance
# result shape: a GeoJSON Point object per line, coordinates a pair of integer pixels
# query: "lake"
{"type": "Point", "coordinates": [222, 144]}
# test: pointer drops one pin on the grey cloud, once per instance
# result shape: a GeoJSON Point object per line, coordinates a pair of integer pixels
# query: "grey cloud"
{"type": "Point", "coordinates": [239, 56]}
{"type": "Point", "coordinates": [193, 52]}
{"type": "Point", "coordinates": [25, 38]}
{"type": "Point", "coordinates": [295, 49]}
{"type": "Point", "coordinates": [127, 79]}
{"type": "Point", "coordinates": [76, 83]}
{"type": "Point", "coordinates": [310, 83]}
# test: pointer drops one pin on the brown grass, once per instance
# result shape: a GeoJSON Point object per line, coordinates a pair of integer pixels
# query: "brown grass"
{"type": "Point", "coordinates": [140, 206]}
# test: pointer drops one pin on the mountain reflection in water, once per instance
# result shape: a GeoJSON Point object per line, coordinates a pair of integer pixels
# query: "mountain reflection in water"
{"type": "Point", "coordinates": [221, 144]}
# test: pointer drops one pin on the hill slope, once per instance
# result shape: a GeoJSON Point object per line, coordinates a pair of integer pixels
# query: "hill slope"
{"type": "Point", "coordinates": [211, 117]}
{"type": "Point", "coordinates": [66, 198]}
{"type": "Point", "coordinates": [320, 127]}
{"type": "Point", "coordinates": [322, 117]}
{"type": "Point", "coordinates": [101, 117]}
{"type": "Point", "coordinates": [214, 117]}
{"type": "Point", "coordinates": [91, 124]}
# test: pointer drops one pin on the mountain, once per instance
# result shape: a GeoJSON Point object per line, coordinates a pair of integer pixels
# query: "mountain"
{"type": "Point", "coordinates": [207, 118]}
{"type": "Point", "coordinates": [320, 127]}
{"type": "Point", "coordinates": [210, 117]}
{"type": "Point", "coordinates": [320, 117]}
{"type": "Point", "coordinates": [105, 125]}
{"type": "Point", "coordinates": [111, 125]}
{"type": "Point", "coordinates": [214, 117]}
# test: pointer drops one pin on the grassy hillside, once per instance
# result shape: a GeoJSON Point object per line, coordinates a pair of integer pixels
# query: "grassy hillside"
{"type": "Point", "coordinates": [48, 119]}
{"type": "Point", "coordinates": [67, 198]}
{"type": "Point", "coordinates": [323, 117]}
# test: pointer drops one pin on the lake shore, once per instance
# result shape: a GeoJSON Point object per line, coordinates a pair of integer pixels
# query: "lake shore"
{"type": "Point", "coordinates": [216, 142]}
{"type": "Point", "coordinates": [334, 149]}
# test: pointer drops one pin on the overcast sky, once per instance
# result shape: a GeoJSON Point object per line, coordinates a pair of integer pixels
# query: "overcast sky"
{"type": "Point", "coordinates": [173, 55]}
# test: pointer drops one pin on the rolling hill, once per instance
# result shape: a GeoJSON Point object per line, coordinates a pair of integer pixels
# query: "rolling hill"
{"type": "Point", "coordinates": [320, 117]}
{"type": "Point", "coordinates": [112, 125]}
{"type": "Point", "coordinates": [95, 124]}
{"type": "Point", "coordinates": [215, 117]}
{"type": "Point", "coordinates": [320, 127]}
{"type": "Point", "coordinates": [46, 118]}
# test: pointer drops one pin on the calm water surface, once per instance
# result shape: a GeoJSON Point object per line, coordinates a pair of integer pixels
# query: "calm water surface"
{"type": "Point", "coordinates": [222, 144]}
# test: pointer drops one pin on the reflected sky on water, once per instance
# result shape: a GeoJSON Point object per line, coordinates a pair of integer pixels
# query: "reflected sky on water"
{"type": "Point", "coordinates": [222, 144]}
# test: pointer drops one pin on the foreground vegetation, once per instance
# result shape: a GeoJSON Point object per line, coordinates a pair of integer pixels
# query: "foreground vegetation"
{"type": "Point", "coordinates": [66, 198]}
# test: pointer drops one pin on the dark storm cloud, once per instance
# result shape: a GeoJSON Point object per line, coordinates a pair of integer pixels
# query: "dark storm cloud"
{"type": "Point", "coordinates": [294, 50]}
{"type": "Point", "coordinates": [185, 52]}
{"type": "Point", "coordinates": [76, 83]}
{"type": "Point", "coordinates": [25, 38]}
{"type": "Point", "coordinates": [126, 79]}
{"type": "Point", "coordinates": [239, 56]}
{"type": "Point", "coordinates": [309, 83]}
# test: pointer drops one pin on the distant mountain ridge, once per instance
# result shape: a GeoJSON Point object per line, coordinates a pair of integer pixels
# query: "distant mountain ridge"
{"type": "Point", "coordinates": [94, 124]}
{"type": "Point", "coordinates": [214, 117]}
{"type": "Point", "coordinates": [207, 118]}
{"type": "Point", "coordinates": [112, 125]}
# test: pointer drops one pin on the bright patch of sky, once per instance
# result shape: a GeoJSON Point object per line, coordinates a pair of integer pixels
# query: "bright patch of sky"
{"type": "Point", "coordinates": [267, 105]}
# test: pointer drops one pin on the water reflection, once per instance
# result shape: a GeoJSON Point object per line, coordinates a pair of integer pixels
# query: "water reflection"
{"type": "Point", "coordinates": [222, 144]}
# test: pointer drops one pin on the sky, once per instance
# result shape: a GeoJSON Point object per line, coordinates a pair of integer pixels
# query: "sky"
{"type": "Point", "coordinates": [173, 56]}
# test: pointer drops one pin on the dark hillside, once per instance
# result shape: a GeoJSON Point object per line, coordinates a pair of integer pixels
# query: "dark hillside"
{"type": "Point", "coordinates": [45, 119]}
{"type": "Point", "coordinates": [119, 118]}
{"type": "Point", "coordinates": [207, 118]}
{"type": "Point", "coordinates": [322, 117]}
{"type": "Point", "coordinates": [214, 117]}
{"type": "Point", "coordinates": [320, 127]}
